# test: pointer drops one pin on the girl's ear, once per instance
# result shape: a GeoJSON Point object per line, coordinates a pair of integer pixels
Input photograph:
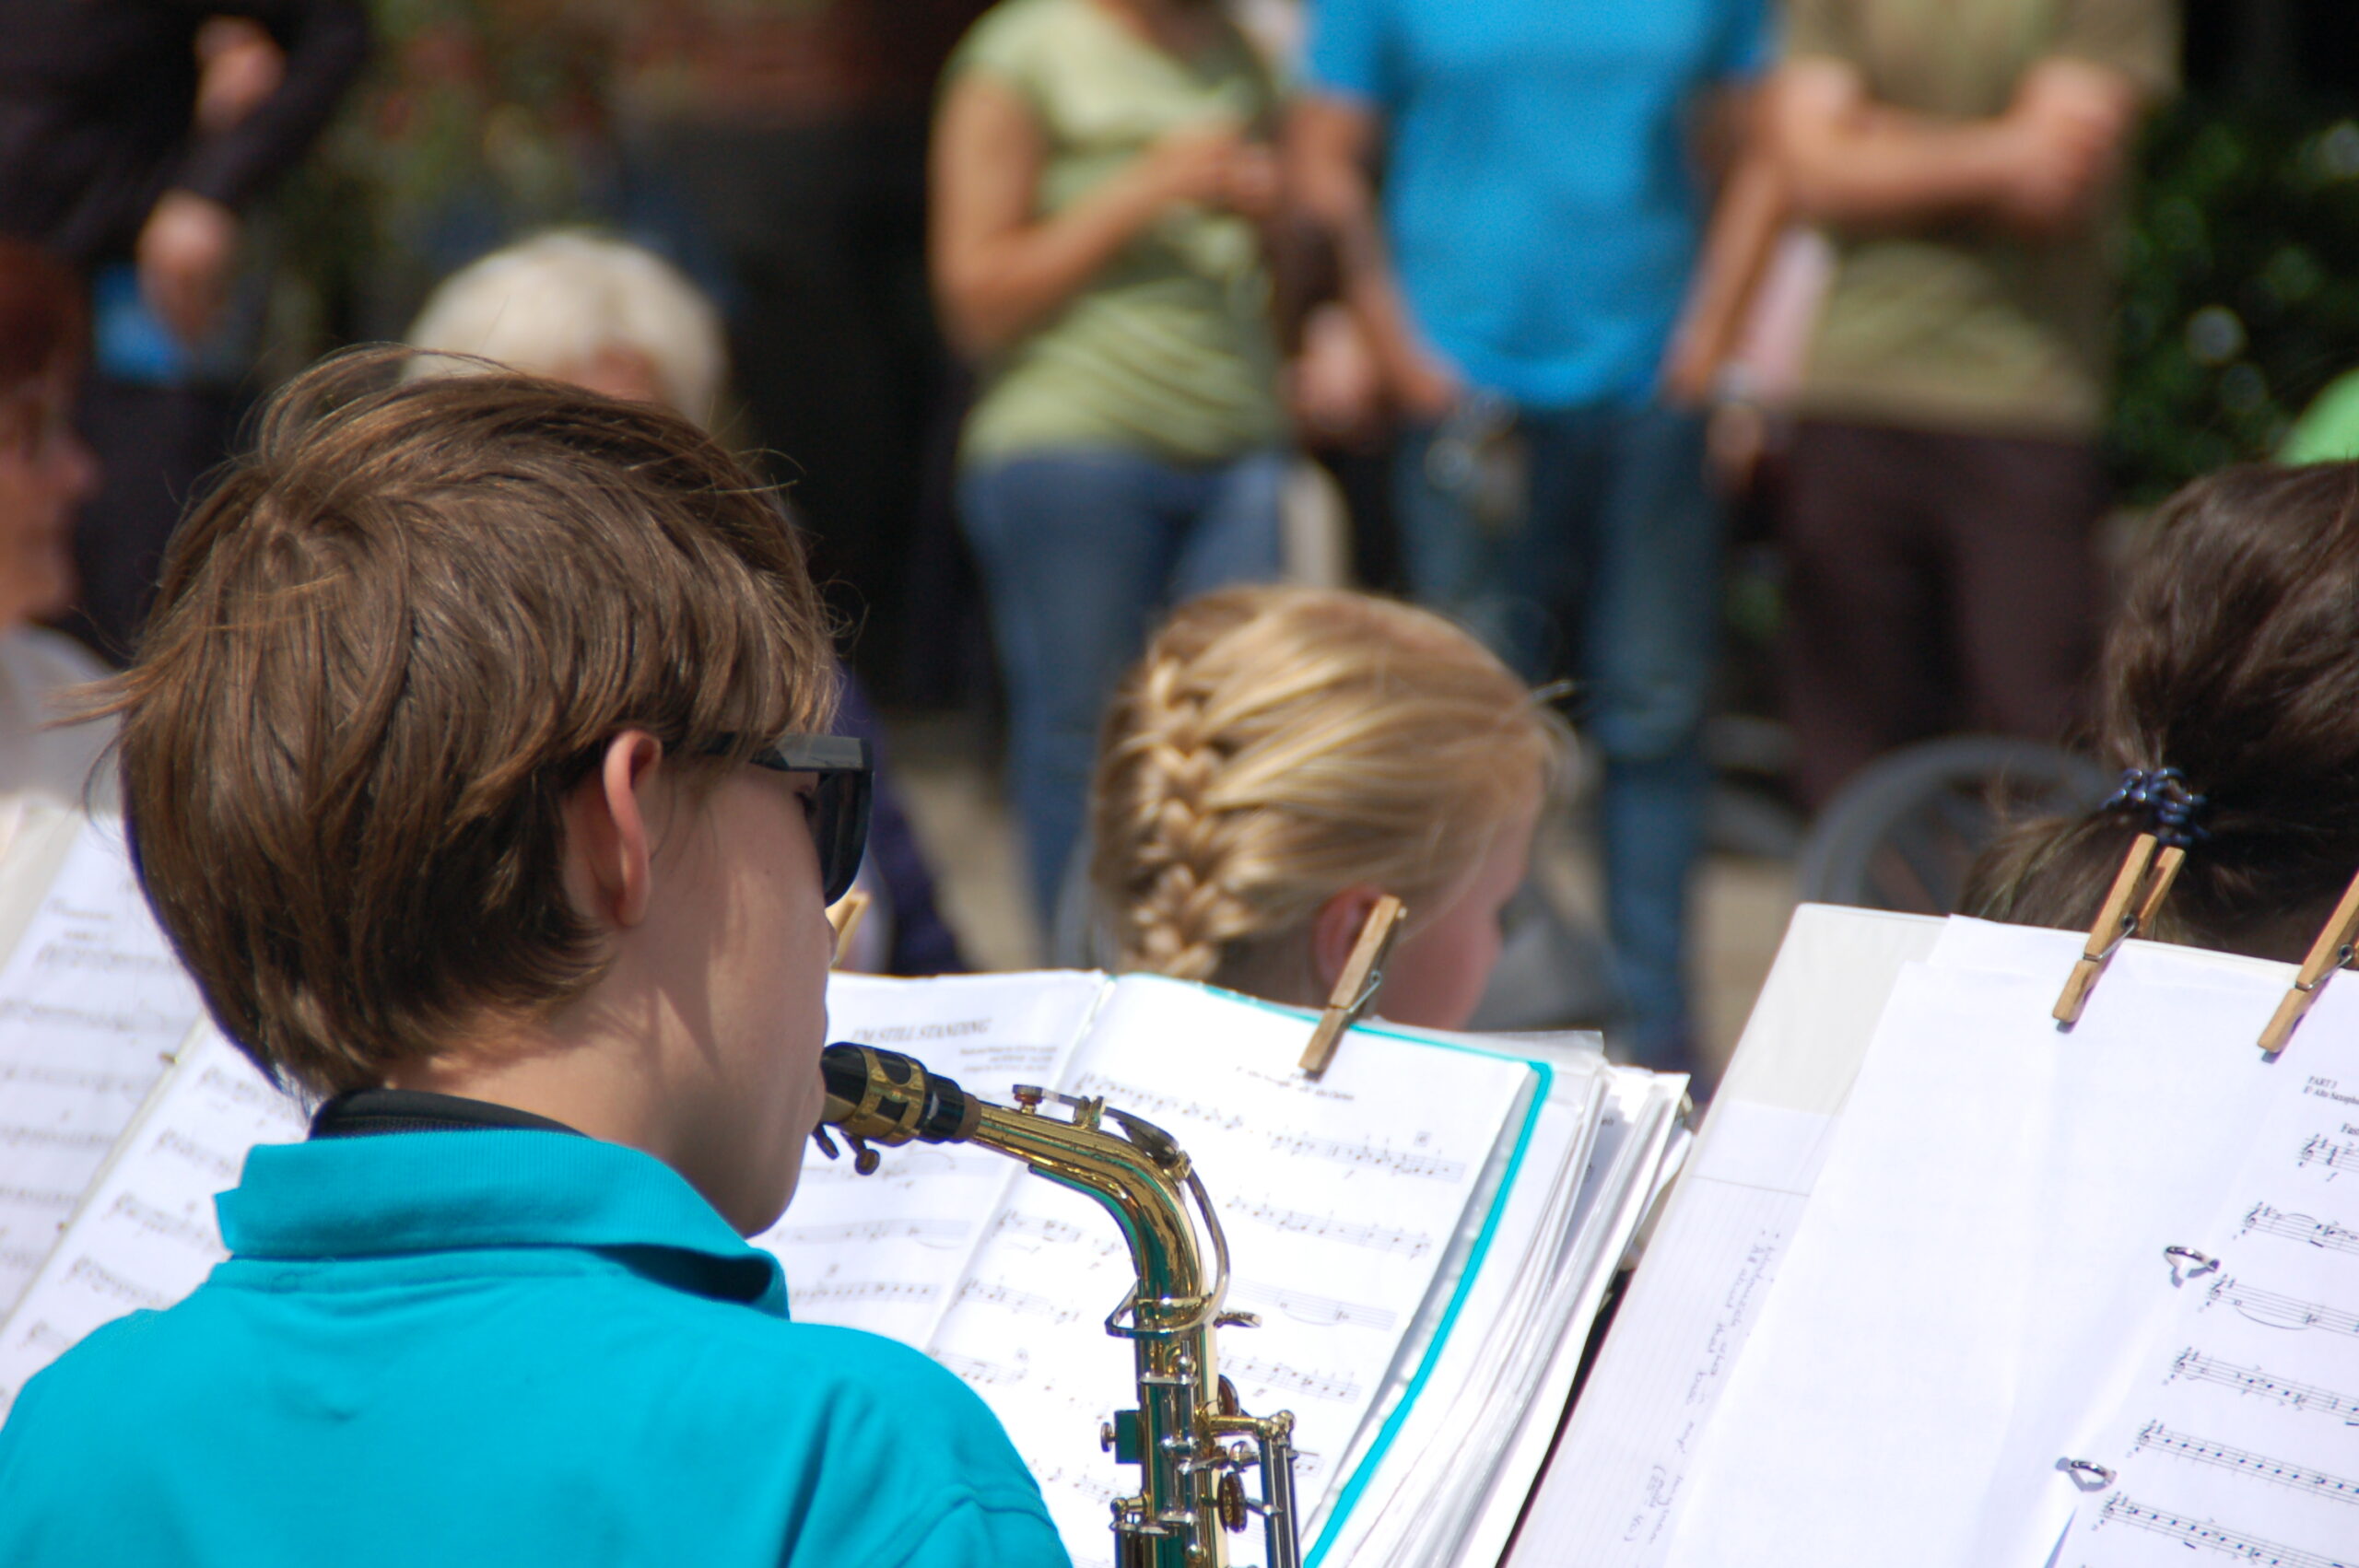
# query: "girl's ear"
{"type": "Point", "coordinates": [1335, 930]}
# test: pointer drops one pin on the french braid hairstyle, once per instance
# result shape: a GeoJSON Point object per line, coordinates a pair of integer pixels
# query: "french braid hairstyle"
{"type": "Point", "coordinates": [2233, 661]}
{"type": "Point", "coordinates": [1277, 745]}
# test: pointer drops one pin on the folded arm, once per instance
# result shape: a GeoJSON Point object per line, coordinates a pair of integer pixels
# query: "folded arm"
{"type": "Point", "coordinates": [2039, 168]}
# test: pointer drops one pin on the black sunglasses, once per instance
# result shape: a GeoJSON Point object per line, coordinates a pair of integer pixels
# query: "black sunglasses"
{"type": "Point", "coordinates": [839, 806]}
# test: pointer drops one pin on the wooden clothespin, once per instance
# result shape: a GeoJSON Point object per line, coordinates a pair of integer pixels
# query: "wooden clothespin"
{"type": "Point", "coordinates": [2330, 953]}
{"type": "Point", "coordinates": [2128, 908]}
{"type": "Point", "coordinates": [1355, 987]}
{"type": "Point", "coordinates": [845, 914]}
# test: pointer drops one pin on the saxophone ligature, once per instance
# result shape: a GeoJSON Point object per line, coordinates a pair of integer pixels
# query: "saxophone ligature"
{"type": "Point", "coordinates": [1192, 1444]}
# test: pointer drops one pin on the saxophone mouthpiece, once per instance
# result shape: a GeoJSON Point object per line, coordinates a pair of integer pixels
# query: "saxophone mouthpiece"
{"type": "Point", "coordinates": [877, 1096]}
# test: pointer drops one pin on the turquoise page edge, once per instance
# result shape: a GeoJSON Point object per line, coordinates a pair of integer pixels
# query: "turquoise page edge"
{"type": "Point", "coordinates": [1360, 1478]}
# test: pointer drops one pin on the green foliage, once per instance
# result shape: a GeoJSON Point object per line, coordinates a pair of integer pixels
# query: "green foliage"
{"type": "Point", "coordinates": [2240, 296]}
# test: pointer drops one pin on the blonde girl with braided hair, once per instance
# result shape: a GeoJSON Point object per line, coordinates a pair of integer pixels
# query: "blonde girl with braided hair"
{"type": "Point", "coordinates": [1284, 757]}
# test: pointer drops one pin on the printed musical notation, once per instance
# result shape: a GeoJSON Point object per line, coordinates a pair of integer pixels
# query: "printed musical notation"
{"type": "Point", "coordinates": [916, 1228]}
{"type": "Point", "coordinates": [221, 1167]}
{"type": "Point", "coordinates": [93, 1276]}
{"type": "Point", "coordinates": [988, 1373]}
{"type": "Point", "coordinates": [2280, 1311]}
{"type": "Point", "coordinates": [155, 1222]}
{"type": "Point", "coordinates": [2267, 1220]}
{"type": "Point", "coordinates": [1155, 1105]}
{"type": "Point", "coordinates": [1303, 1306]}
{"type": "Point", "coordinates": [2225, 1430]}
{"type": "Point", "coordinates": [2321, 1150]}
{"type": "Point", "coordinates": [1103, 1240]}
{"type": "Point", "coordinates": [47, 1340]}
{"type": "Point", "coordinates": [2194, 1366]}
{"type": "Point", "coordinates": [56, 1138]}
{"type": "Point", "coordinates": [241, 1087]}
{"type": "Point", "coordinates": [55, 1076]}
{"type": "Point", "coordinates": [1079, 1400]}
{"type": "Point", "coordinates": [905, 1169]}
{"type": "Point", "coordinates": [1295, 1221]}
{"type": "Point", "coordinates": [2243, 1461]}
{"type": "Point", "coordinates": [1255, 1370]}
{"type": "Point", "coordinates": [145, 1234]}
{"type": "Point", "coordinates": [920, 1217]}
{"type": "Point", "coordinates": [1333, 1234]}
{"type": "Point", "coordinates": [2204, 1534]}
{"type": "Point", "coordinates": [79, 1017]}
{"type": "Point", "coordinates": [864, 1289]}
{"type": "Point", "coordinates": [111, 962]}
{"type": "Point", "coordinates": [1344, 1152]}
{"type": "Point", "coordinates": [41, 1198]}
{"type": "Point", "coordinates": [92, 1003]}
{"type": "Point", "coordinates": [1089, 1483]}
{"type": "Point", "coordinates": [1030, 1303]}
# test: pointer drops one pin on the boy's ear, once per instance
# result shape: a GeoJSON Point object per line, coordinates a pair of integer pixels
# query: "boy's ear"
{"type": "Point", "coordinates": [610, 825]}
{"type": "Point", "coordinates": [1335, 930]}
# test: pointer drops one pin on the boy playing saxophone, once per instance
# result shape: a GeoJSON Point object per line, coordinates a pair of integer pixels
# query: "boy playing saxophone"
{"type": "Point", "coordinates": [476, 765]}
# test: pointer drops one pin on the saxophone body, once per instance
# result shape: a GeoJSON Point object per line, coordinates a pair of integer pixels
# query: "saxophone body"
{"type": "Point", "coordinates": [1191, 1443]}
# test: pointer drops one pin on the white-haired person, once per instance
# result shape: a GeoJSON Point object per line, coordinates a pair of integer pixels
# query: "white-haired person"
{"type": "Point", "coordinates": [615, 318]}
{"type": "Point", "coordinates": [1280, 760]}
{"type": "Point", "coordinates": [45, 475]}
{"type": "Point", "coordinates": [599, 312]}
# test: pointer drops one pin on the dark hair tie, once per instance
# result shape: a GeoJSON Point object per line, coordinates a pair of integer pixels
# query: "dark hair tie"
{"type": "Point", "coordinates": [2170, 808]}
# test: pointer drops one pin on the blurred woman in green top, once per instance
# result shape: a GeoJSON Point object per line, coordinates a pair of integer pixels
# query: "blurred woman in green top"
{"type": "Point", "coordinates": [1100, 171]}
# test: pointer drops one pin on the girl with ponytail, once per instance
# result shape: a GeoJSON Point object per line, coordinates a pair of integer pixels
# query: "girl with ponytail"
{"type": "Point", "coordinates": [2228, 692]}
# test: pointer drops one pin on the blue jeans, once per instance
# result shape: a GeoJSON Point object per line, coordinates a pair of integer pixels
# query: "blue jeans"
{"type": "Point", "coordinates": [1609, 572]}
{"type": "Point", "coordinates": [1080, 550]}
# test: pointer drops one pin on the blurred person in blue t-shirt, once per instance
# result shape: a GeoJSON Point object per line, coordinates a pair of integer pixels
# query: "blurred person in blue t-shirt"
{"type": "Point", "coordinates": [1517, 283]}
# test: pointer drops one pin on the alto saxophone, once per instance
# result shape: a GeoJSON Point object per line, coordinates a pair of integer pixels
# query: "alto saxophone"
{"type": "Point", "coordinates": [1192, 1442]}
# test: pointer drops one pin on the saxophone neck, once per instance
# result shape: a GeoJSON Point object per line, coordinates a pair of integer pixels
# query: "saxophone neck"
{"type": "Point", "coordinates": [1128, 1166]}
{"type": "Point", "coordinates": [1140, 1176]}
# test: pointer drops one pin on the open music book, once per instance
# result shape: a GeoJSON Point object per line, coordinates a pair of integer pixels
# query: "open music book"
{"type": "Point", "coordinates": [1425, 1233]}
{"type": "Point", "coordinates": [91, 1004]}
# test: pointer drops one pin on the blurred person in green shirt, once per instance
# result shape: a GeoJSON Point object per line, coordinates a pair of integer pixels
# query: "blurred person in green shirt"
{"type": "Point", "coordinates": [1964, 156]}
{"type": "Point", "coordinates": [1100, 171]}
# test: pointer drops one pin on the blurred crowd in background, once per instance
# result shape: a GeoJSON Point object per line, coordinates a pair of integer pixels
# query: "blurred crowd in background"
{"type": "Point", "coordinates": [1781, 380]}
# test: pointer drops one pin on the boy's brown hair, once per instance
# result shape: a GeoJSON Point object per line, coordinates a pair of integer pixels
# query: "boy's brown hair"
{"type": "Point", "coordinates": [386, 645]}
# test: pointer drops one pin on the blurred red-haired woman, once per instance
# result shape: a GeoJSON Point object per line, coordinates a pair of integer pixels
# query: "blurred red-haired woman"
{"type": "Point", "coordinates": [45, 475]}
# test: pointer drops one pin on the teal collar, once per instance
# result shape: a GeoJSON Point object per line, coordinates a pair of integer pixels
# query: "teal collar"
{"type": "Point", "coordinates": [422, 1192]}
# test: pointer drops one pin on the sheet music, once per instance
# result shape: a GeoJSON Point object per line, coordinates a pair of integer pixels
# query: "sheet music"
{"type": "Point", "coordinates": [1960, 1291]}
{"type": "Point", "coordinates": [91, 1001]}
{"type": "Point", "coordinates": [1610, 1494]}
{"type": "Point", "coordinates": [885, 1252]}
{"type": "Point", "coordinates": [1511, 1378]}
{"type": "Point", "coordinates": [147, 1235]}
{"type": "Point", "coordinates": [2238, 1439]}
{"type": "Point", "coordinates": [1507, 1297]}
{"type": "Point", "coordinates": [1338, 1198]}
{"type": "Point", "coordinates": [1703, 1288]}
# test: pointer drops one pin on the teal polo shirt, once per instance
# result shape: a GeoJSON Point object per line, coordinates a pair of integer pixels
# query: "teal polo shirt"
{"type": "Point", "coordinates": [505, 1348]}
